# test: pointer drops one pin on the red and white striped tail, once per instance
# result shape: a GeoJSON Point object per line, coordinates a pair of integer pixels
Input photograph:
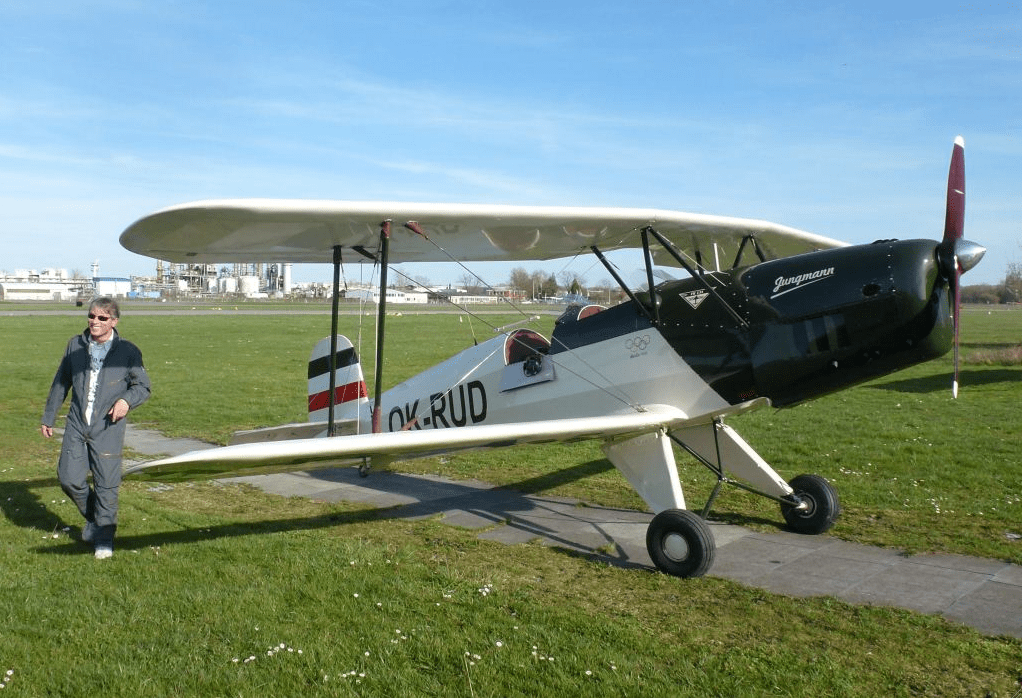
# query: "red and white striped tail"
{"type": "Point", "coordinates": [350, 390]}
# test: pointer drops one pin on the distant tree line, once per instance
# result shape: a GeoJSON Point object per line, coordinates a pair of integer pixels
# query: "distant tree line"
{"type": "Point", "coordinates": [1008, 291]}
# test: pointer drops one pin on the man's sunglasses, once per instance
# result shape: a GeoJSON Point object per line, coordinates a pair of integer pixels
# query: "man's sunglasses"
{"type": "Point", "coordinates": [101, 318]}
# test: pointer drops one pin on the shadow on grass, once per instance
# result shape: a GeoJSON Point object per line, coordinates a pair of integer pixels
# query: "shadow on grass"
{"type": "Point", "coordinates": [230, 530]}
{"type": "Point", "coordinates": [942, 382]}
{"type": "Point", "coordinates": [23, 506]}
{"type": "Point", "coordinates": [508, 514]}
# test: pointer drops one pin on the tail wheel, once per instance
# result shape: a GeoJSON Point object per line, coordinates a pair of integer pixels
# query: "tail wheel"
{"type": "Point", "coordinates": [680, 543]}
{"type": "Point", "coordinates": [820, 506]}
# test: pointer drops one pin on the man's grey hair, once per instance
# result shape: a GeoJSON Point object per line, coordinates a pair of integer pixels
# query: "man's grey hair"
{"type": "Point", "coordinates": [108, 304]}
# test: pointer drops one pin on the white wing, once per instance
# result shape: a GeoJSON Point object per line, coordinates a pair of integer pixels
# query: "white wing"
{"type": "Point", "coordinates": [267, 230]}
{"type": "Point", "coordinates": [307, 454]}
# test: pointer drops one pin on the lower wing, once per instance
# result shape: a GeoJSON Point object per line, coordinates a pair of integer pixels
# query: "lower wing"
{"type": "Point", "coordinates": [312, 453]}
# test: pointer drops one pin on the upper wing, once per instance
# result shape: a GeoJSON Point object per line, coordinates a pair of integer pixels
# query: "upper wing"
{"type": "Point", "coordinates": [268, 230]}
{"type": "Point", "coordinates": [306, 454]}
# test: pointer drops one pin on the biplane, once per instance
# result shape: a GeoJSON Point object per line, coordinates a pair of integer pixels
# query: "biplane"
{"type": "Point", "coordinates": [764, 315]}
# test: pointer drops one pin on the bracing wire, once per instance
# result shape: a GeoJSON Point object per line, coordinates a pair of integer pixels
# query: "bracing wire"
{"type": "Point", "coordinates": [604, 384]}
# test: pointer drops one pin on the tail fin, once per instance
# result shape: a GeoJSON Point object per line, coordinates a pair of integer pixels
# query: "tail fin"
{"type": "Point", "coordinates": [350, 387]}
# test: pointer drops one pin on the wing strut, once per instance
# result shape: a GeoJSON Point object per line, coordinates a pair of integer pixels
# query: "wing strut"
{"type": "Point", "coordinates": [673, 251]}
{"type": "Point", "coordinates": [621, 282]}
{"type": "Point", "coordinates": [330, 427]}
{"type": "Point", "coordinates": [650, 286]}
{"type": "Point", "coordinates": [748, 239]}
{"type": "Point", "coordinates": [381, 314]}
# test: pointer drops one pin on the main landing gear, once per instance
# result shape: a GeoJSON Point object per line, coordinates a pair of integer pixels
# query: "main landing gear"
{"type": "Point", "coordinates": [681, 544]}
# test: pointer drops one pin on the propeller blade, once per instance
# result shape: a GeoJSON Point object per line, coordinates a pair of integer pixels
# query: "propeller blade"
{"type": "Point", "coordinates": [954, 229]}
{"type": "Point", "coordinates": [954, 220]}
{"type": "Point", "coordinates": [967, 255]}
{"type": "Point", "coordinates": [958, 307]}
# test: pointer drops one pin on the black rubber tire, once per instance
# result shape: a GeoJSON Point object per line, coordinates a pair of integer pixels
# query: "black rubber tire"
{"type": "Point", "coordinates": [680, 543]}
{"type": "Point", "coordinates": [823, 510]}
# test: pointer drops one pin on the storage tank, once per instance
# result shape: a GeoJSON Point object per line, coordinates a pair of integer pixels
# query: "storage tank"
{"type": "Point", "coordinates": [228, 284]}
{"type": "Point", "coordinates": [248, 285]}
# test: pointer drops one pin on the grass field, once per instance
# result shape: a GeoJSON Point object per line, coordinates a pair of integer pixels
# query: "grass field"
{"type": "Point", "coordinates": [224, 590]}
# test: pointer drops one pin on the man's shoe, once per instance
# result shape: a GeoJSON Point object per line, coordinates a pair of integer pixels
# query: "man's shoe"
{"type": "Point", "coordinates": [89, 531]}
{"type": "Point", "coordinates": [104, 552]}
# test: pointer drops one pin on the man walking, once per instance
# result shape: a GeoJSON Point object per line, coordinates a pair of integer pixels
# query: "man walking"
{"type": "Point", "coordinates": [106, 378]}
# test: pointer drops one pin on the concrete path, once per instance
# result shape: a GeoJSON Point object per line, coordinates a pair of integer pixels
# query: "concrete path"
{"type": "Point", "coordinates": [984, 594]}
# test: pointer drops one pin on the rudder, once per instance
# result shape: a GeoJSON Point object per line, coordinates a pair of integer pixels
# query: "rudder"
{"type": "Point", "coordinates": [350, 388]}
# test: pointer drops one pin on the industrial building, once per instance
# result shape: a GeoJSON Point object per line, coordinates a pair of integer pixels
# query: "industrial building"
{"type": "Point", "coordinates": [45, 285]}
{"type": "Point", "coordinates": [170, 281]}
{"type": "Point", "coordinates": [236, 281]}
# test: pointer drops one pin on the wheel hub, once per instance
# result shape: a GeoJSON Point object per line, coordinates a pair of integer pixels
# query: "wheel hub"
{"type": "Point", "coordinates": [676, 547]}
{"type": "Point", "coordinates": [807, 507]}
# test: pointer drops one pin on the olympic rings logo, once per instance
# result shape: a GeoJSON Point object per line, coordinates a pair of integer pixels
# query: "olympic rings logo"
{"type": "Point", "coordinates": [636, 345]}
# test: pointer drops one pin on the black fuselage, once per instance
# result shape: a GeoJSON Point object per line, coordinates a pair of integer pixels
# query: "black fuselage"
{"type": "Point", "coordinates": [795, 328]}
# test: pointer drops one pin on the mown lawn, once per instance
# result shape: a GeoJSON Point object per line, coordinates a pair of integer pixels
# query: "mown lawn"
{"type": "Point", "coordinates": [225, 590]}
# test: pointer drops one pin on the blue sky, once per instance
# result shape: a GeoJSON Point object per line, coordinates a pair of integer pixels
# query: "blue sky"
{"type": "Point", "coordinates": [834, 118]}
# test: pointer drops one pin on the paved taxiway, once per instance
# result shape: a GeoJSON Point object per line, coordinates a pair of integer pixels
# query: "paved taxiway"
{"type": "Point", "coordinates": [981, 593]}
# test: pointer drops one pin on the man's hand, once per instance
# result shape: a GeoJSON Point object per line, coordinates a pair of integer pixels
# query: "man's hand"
{"type": "Point", "coordinates": [119, 410]}
{"type": "Point", "coordinates": [46, 431]}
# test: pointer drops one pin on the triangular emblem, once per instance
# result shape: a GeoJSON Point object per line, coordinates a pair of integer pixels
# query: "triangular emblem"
{"type": "Point", "coordinates": [695, 298]}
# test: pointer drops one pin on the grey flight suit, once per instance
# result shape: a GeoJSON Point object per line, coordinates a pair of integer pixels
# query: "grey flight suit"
{"type": "Point", "coordinates": [96, 446]}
